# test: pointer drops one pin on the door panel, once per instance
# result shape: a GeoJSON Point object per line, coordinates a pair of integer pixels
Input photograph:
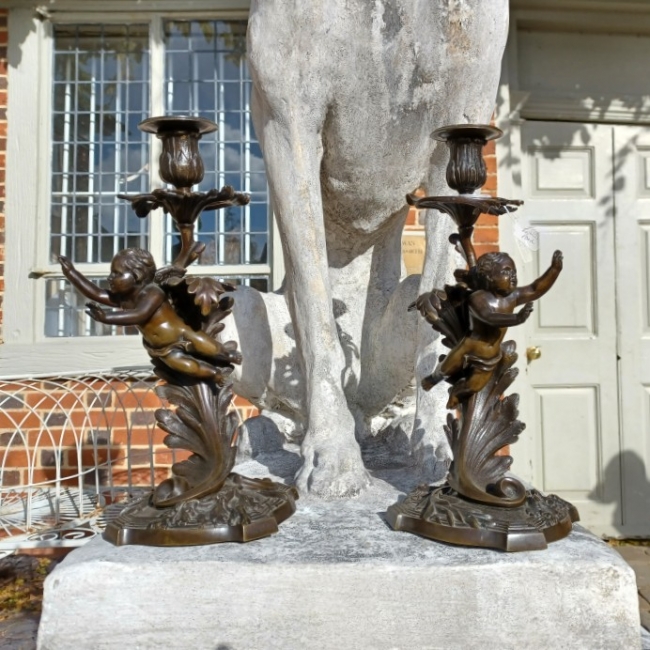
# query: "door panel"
{"type": "Point", "coordinates": [645, 274]}
{"type": "Point", "coordinates": [571, 390]}
{"type": "Point", "coordinates": [570, 462]}
{"type": "Point", "coordinates": [561, 172]}
{"type": "Point", "coordinates": [632, 148]}
{"type": "Point", "coordinates": [570, 309]}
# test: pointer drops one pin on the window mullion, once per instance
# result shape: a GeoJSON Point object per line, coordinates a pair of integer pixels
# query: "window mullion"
{"type": "Point", "coordinates": [244, 104]}
{"type": "Point", "coordinates": [91, 157]}
{"type": "Point", "coordinates": [221, 164]}
{"type": "Point", "coordinates": [157, 86]}
{"type": "Point", "coordinates": [37, 290]}
{"type": "Point", "coordinates": [67, 145]}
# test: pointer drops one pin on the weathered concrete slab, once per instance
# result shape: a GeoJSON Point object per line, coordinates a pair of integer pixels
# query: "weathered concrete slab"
{"type": "Point", "coordinates": [638, 557]}
{"type": "Point", "coordinates": [337, 577]}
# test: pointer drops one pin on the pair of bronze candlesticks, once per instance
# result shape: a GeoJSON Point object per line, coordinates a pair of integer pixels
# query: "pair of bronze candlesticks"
{"type": "Point", "coordinates": [179, 318]}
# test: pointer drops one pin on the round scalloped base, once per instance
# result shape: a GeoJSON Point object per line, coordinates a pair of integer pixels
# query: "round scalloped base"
{"type": "Point", "coordinates": [441, 514]}
{"type": "Point", "coordinates": [242, 511]}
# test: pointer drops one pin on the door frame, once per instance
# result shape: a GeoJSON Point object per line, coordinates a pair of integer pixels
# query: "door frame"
{"type": "Point", "coordinates": [515, 105]}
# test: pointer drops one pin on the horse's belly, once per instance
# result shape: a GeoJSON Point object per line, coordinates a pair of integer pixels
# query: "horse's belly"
{"type": "Point", "coordinates": [364, 186]}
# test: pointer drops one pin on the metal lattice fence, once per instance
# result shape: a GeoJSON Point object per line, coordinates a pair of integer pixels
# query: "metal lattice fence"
{"type": "Point", "coordinates": [72, 448]}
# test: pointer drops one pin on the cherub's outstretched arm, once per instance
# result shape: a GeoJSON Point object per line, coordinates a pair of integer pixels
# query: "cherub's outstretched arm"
{"type": "Point", "coordinates": [83, 284]}
{"type": "Point", "coordinates": [481, 307]}
{"type": "Point", "coordinates": [543, 283]}
{"type": "Point", "coordinates": [148, 302]}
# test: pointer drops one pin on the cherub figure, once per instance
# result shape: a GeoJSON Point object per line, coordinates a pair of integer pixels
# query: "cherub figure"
{"type": "Point", "coordinates": [491, 308]}
{"type": "Point", "coordinates": [145, 304]}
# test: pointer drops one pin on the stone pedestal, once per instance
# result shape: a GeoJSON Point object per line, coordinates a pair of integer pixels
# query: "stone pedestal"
{"type": "Point", "coordinates": [336, 577]}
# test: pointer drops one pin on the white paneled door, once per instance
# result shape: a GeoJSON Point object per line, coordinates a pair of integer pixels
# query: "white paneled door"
{"type": "Point", "coordinates": [586, 397]}
{"type": "Point", "coordinates": [632, 195]}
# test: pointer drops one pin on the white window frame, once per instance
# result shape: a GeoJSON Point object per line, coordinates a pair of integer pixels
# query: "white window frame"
{"type": "Point", "coordinates": [26, 351]}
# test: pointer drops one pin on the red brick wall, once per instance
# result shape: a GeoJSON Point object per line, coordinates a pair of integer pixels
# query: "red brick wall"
{"type": "Point", "coordinates": [102, 423]}
{"type": "Point", "coordinates": [486, 233]}
{"type": "Point", "coordinates": [105, 424]}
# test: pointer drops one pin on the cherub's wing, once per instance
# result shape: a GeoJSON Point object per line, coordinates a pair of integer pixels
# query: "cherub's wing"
{"type": "Point", "coordinates": [199, 301]}
{"type": "Point", "coordinates": [169, 276]}
{"type": "Point", "coordinates": [446, 311]}
{"type": "Point", "coordinates": [172, 279]}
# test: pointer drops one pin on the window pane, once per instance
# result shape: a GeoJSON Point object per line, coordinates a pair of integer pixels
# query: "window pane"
{"type": "Point", "coordinates": [100, 94]}
{"type": "Point", "coordinates": [65, 313]}
{"type": "Point", "coordinates": [258, 249]}
{"type": "Point", "coordinates": [206, 75]}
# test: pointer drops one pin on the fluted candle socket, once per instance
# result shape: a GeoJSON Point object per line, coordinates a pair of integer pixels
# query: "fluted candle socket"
{"type": "Point", "coordinates": [466, 171]}
{"type": "Point", "coordinates": [180, 161]}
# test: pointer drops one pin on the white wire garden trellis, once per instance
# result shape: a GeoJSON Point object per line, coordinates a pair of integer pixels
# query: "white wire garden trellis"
{"type": "Point", "coordinates": [63, 468]}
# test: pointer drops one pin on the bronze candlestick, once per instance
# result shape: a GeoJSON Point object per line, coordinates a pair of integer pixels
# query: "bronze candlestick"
{"type": "Point", "coordinates": [179, 318]}
{"type": "Point", "coordinates": [480, 504]}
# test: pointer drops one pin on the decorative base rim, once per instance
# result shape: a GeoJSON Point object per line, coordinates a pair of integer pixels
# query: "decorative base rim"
{"type": "Point", "coordinates": [443, 515]}
{"type": "Point", "coordinates": [263, 505]}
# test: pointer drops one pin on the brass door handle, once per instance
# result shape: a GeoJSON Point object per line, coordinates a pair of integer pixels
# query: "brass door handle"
{"type": "Point", "coordinates": [533, 352]}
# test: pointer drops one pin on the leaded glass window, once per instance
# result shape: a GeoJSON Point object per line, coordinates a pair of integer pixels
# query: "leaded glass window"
{"type": "Point", "coordinates": [100, 94]}
{"type": "Point", "coordinates": [206, 74]}
{"type": "Point", "coordinates": [103, 84]}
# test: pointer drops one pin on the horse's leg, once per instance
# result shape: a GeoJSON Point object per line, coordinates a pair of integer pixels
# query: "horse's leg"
{"type": "Point", "coordinates": [469, 77]}
{"type": "Point", "coordinates": [393, 338]}
{"type": "Point", "coordinates": [431, 449]}
{"type": "Point", "coordinates": [292, 148]}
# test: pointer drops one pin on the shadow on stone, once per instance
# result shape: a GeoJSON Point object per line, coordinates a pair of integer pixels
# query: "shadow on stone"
{"type": "Point", "coordinates": [266, 444]}
{"type": "Point", "coordinates": [630, 465]}
{"type": "Point", "coordinates": [389, 458]}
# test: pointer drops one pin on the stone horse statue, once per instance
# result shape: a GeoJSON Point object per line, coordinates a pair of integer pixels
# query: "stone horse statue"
{"type": "Point", "coordinates": [345, 96]}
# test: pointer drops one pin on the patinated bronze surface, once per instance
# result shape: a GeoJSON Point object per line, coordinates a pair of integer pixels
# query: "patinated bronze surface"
{"type": "Point", "coordinates": [179, 318]}
{"type": "Point", "coordinates": [444, 515]}
{"type": "Point", "coordinates": [181, 165]}
{"type": "Point", "coordinates": [242, 510]}
{"type": "Point", "coordinates": [480, 505]}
